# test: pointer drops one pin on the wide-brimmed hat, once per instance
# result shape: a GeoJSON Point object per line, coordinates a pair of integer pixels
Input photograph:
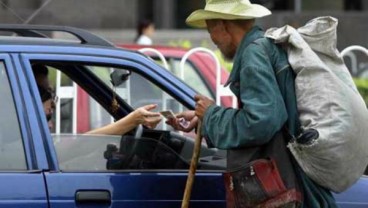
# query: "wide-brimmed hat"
{"type": "Point", "coordinates": [227, 10]}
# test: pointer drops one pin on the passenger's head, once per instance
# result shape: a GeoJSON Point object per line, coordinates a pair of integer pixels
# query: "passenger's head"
{"type": "Point", "coordinates": [41, 73]}
{"type": "Point", "coordinates": [48, 102]}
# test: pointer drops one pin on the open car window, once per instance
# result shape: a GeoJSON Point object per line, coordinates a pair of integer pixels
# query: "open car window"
{"type": "Point", "coordinates": [90, 104]}
{"type": "Point", "coordinates": [78, 112]}
{"type": "Point", "coordinates": [136, 90]}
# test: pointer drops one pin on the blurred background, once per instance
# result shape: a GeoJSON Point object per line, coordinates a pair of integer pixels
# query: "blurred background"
{"type": "Point", "coordinates": [116, 20]}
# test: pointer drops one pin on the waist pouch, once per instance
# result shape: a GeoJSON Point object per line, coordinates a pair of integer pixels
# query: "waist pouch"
{"type": "Point", "coordinates": [262, 177]}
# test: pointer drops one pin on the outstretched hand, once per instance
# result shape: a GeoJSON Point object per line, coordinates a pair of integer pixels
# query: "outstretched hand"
{"type": "Point", "coordinates": [147, 118]}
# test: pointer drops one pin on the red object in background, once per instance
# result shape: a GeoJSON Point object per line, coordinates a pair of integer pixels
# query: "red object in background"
{"type": "Point", "coordinates": [83, 111]}
{"type": "Point", "coordinates": [203, 63]}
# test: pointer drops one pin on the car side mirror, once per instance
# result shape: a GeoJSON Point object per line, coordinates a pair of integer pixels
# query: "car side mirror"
{"type": "Point", "coordinates": [118, 77]}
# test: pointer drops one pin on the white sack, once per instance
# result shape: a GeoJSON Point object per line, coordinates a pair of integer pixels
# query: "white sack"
{"type": "Point", "coordinates": [329, 102]}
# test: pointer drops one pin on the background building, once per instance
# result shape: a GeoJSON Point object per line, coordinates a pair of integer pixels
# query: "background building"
{"type": "Point", "coordinates": [116, 19]}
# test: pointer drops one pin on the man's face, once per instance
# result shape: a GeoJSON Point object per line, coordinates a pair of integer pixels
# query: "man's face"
{"type": "Point", "coordinates": [221, 38]}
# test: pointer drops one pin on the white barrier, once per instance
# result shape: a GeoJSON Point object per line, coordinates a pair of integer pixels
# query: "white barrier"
{"type": "Point", "coordinates": [65, 92]}
{"type": "Point", "coordinates": [220, 89]}
{"type": "Point", "coordinates": [348, 52]}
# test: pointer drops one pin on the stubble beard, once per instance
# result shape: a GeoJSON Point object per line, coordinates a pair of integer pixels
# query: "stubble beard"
{"type": "Point", "coordinates": [228, 52]}
{"type": "Point", "coordinates": [227, 55]}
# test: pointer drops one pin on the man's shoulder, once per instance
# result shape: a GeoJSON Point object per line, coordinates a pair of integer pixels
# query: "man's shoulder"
{"type": "Point", "coordinates": [264, 42]}
{"type": "Point", "coordinates": [268, 48]}
{"type": "Point", "coordinates": [259, 45]}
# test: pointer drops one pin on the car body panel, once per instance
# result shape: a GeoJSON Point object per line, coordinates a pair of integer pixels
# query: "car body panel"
{"type": "Point", "coordinates": [131, 189]}
{"type": "Point", "coordinates": [23, 189]}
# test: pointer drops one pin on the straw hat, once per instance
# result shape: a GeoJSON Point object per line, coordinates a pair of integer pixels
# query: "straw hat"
{"type": "Point", "coordinates": [227, 10]}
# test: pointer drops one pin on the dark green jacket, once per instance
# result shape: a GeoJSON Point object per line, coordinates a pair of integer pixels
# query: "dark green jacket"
{"type": "Point", "coordinates": [268, 102]}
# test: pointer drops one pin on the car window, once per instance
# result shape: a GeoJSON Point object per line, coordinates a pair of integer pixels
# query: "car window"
{"type": "Point", "coordinates": [84, 152]}
{"type": "Point", "coordinates": [80, 113]}
{"type": "Point", "coordinates": [108, 153]}
{"type": "Point", "coordinates": [137, 91]}
{"type": "Point", "coordinates": [153, 149]}
{"type": "Point", "coordinates": [12, 155]}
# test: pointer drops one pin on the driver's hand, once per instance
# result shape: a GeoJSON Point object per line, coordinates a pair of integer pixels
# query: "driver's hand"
{"type": "Point", "coordinates": [185, 121]}
{"type": "Point", "coordinates": [147, 118]}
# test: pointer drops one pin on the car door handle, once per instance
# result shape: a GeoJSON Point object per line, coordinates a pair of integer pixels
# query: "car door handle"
{"type": "Point", "coordinates": [93, 196]}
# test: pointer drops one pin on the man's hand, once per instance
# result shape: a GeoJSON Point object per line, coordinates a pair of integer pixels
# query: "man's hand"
{"type": "Point", "coordinates": [202, 103]}
{"type": "Point", "coordinates": [185, 121]}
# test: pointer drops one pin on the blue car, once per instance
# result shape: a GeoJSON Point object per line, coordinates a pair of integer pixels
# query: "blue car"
{"type": "Point", "coordinates": [144, 168]}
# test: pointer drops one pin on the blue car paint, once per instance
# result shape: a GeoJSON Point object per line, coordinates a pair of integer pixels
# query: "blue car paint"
{"type": "Point", "coordinates": [356, 196]}
{"type": "Point", "coordinates": [23, 189]}
{"type": "Point", "coordinates": [127, 189]}
{"type": "Point", "coordinates": [149, 189]}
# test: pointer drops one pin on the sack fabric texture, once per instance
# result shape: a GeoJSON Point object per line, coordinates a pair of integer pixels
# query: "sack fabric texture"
{"type": "Point", "coordinates": [329, 102]}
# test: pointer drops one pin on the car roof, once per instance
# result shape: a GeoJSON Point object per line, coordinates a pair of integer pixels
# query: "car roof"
{"type": "Point", "coordinates": [35, 41]}
{"type": "Point", "coordinates": [40, 35]}
{"type": "Point", "coordinates": [22, 38]}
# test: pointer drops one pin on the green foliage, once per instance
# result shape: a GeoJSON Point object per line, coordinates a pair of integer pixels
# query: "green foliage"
{"type": "Point", "coordinates": [362, 85]}
{"type": "Point", "coordinates": [181, 43]}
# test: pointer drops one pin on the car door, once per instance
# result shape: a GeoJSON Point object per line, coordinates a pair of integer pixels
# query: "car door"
{"type": "Point", "coordinates": [83, 175]}
{"type": "Point", "coordinates": [21, 162]}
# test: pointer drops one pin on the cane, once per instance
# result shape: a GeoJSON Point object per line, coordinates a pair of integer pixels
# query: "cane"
{"type": "Point", "coordinates": [193, 167]}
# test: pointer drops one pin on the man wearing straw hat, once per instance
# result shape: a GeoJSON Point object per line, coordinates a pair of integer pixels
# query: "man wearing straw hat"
{"type": "Point", "coordinates": [266, 99]}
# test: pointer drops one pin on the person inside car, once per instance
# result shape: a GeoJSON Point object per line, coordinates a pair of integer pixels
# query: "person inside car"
{"type": "Point", "coordinates": [48, 99]}
{"type": "Point", "coordinates": [140, 116]}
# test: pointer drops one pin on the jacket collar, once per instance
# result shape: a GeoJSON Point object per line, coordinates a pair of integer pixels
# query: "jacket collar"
{"type": "Point", "coordinates": [254, 34]}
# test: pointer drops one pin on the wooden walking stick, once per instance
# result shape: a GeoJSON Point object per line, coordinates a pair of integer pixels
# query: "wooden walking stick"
{"type": "Point", "coordinates": [193, 167]}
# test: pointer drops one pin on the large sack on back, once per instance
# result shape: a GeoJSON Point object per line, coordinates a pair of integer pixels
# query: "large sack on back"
{"type": "Point", "coordinates": [329, 102]}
